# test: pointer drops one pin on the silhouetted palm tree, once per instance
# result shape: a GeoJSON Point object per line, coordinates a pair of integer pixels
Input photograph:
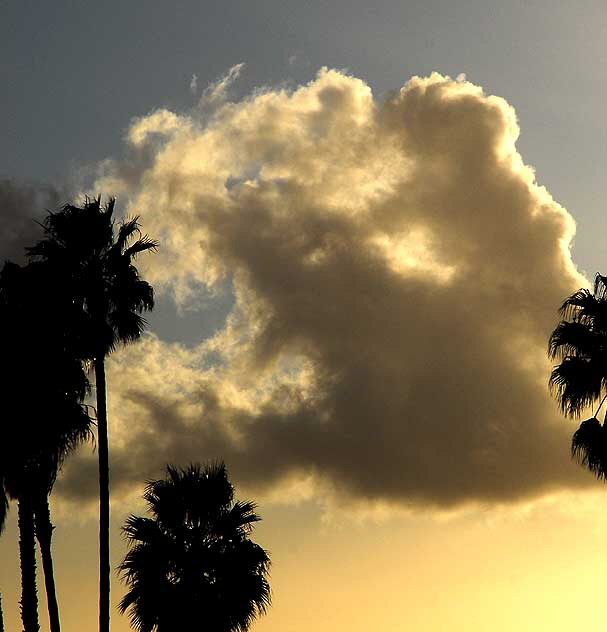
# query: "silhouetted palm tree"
{"type": "Point", "coordinates": [579, 341]}
{"type": "Point", "coordinates": [96, 263]}
{"type": "Point", "coordinates": [192, 566]}
{"type": "Point", "coordinates": [43, 385]}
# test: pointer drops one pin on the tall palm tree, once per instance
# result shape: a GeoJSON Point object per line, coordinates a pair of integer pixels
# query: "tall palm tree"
{"type": "Point", "coordinates": [191, 565]}
{"type": "Point", "coordinates": [95, 262]}
{"type": "Point", "coordinates": [42, 380]}
{"type": "Point", "coordinates": [579, 341]}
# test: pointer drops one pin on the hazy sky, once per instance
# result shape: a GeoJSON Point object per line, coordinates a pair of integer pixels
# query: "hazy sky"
{"type": "Point", "coordinates": [360, 265]}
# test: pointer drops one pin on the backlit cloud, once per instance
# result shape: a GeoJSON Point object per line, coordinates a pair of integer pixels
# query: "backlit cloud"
{"type": "Point", "coordinates": [396, 272]}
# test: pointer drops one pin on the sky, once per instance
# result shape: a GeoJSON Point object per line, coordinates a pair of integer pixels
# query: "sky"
{"type": "Point", "coordinates": [368, 216]}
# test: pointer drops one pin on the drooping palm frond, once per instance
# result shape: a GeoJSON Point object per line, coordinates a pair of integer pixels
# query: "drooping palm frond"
{"type": "Point", "coordinates": [573, 338]}
{"type": "Point", "coordinates": [589, 447]}
{"type": "Point", "coordinates": [580, 302]}
{"type": "Point", "coordinates": [587, 308]}
{"type": "Point", "coordinates": [576, 383]}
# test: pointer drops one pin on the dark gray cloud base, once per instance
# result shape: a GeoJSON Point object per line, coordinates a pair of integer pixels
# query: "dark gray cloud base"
{"type": "Point", "coordinates": [21, 206]}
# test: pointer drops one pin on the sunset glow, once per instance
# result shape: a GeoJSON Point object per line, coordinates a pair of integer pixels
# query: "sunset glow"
{"type": "Point", "coordinates": [367, 220]}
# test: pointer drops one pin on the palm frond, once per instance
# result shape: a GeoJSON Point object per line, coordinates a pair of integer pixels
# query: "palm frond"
{"type": "Point", "coordinates": [576, 383]}
{"type": "Point", "coordinates": [125, 231]}
{"type": "Point", "coordinates": [580, 301]}
{"type": "Point", "coordinates": [141, 245]}
{"type": "Point", "coordinates": [573, 338]}
{"type": "Point", "coordinates": [600, 287]}
{"type": "Point", "coordinates": [589, 447]}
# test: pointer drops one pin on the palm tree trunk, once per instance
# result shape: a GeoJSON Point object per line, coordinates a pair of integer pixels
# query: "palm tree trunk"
{"type": "Point", "coordinates": [27, 558]}
{"type": "Point", "coordinates": [104, 497]}
{"type": "Point", "coordinates": [44, 533]}
{"type": "Point", "coordinates": [1, 616]}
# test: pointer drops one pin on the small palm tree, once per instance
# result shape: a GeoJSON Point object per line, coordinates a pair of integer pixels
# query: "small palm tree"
{"type": "Point", "coordinates": [107, 295]}
{"type": "Point", "coordinates": [192, 566]}
{"type": "Point", "coordinates": [579, 341]}
{"type": "Point", "coordinates": [43, 385]}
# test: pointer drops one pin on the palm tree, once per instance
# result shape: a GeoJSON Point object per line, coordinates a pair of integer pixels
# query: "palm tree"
{"type": "Point", "coordinates": [579, 341]}
{"type": "Point", "coordinates": [192, 565]}
{"type": "Point", "coordinates": [43, 380]}
{"type": "Point", "coordinates": [95, 262]}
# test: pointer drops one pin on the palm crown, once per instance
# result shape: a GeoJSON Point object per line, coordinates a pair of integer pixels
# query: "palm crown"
{"type": "Point", "coordinates": [192, 565]}
{"type": "Point", "coordinates": [43, 383]}
{"type": "Point", "coordinates": [579, 341]}
{"type": "Point", "coordinates": [96, 262]}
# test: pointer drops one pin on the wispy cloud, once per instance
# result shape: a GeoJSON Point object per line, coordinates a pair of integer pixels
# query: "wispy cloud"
{"type": "Point", "coordinates": [216, 92]}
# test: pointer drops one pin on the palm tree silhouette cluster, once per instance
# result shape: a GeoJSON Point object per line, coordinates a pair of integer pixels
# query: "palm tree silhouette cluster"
{"type": "Point", "coordinates": [76, 299]}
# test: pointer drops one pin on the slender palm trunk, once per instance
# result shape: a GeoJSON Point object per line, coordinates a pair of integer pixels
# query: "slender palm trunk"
{"type": "Point", "coordinates": [27, 554]}
{"type": "Point", "coordinates": [1, 616]}
{"type": "Point", "coordinates": [104, 497]}
{"type": "Point", "coordinates": [44, 533]}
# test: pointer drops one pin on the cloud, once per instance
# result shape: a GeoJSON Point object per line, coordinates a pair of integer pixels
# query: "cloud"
{"type": "Point", "coordinates": [396, 271]}
{"type": "Point", "coordinates": [216, 92]}
{"type": "Point", "coordinates": [194, 84]}
{"type": "Point", "coordinates": [21, 205]}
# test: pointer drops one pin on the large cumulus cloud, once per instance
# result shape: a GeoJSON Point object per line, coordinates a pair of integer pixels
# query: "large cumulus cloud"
{"type": "Point", "coordinates": [396, 271]}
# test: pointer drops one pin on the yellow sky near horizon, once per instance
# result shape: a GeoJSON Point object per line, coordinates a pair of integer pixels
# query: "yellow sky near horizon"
{"type": "Point", "coordinates": [536, 567]}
